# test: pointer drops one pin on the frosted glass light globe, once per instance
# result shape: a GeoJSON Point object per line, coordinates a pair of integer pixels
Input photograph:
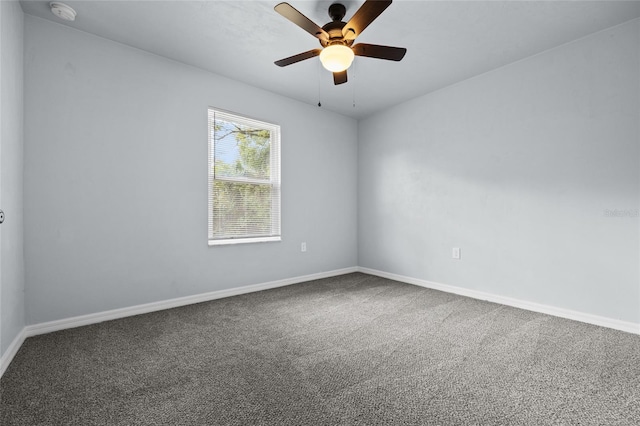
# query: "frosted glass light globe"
{"type": "Point", "coordinates": [336, 58]}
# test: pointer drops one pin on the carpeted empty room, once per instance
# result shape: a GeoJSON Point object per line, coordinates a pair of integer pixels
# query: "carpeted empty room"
{"type": "Point", "coordinates": [349, 350]}
{"type": "Point", "coordinates": [327, 212]}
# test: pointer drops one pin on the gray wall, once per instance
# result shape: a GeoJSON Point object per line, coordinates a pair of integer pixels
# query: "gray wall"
{"type": "Point", "coordinates": [517, 167]}
{"type": "Point", "coordinates": [116, 179]}
{"type": "Point", "coordinates": [11, 166]}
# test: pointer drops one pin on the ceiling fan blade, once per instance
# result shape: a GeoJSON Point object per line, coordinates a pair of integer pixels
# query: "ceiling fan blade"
{"type": "Point", "coordinates": [297, 58]}
{"type": "Point", "coordinates": [340, 77]}
{"type": "Point", "coordinates": [292, 14]}
{"type": "Point", "coordinates": [369, 11]}
{"type": "Point", "coordinates": [380, 52]}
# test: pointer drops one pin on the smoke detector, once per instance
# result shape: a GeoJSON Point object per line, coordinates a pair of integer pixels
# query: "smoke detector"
{"type": "Point", "coordinates": [63, 11]}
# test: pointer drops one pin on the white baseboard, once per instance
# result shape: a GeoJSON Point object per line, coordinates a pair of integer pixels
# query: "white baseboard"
{"type": "Point", "coordinates": [11, 351]}
{"type": "Point", "coordinates": [51, 326]}
{"type": "Point", "coordinates": [615, 324]}
{"type": "Point", "coordinates": [63, 324]}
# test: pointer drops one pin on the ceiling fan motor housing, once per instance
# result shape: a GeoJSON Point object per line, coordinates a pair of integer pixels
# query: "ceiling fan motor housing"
{"type": "Point", "coordinates": [334, 28]}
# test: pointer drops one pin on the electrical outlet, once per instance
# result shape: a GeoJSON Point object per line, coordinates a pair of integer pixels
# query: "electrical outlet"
{"type": "Point", "coordinates": [303, 247]}
{"type": "Point", "coordinates": [455, 254]}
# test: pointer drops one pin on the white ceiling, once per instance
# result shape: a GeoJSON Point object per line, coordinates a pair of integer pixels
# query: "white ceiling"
{"type": "Point", "coordinates": [446, 41]}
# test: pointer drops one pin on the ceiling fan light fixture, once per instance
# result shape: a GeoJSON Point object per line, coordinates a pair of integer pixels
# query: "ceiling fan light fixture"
{"type": "Point", "coordinates": [337, 57]}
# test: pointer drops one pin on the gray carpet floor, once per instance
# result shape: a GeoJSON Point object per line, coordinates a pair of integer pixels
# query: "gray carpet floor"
{"type": "Point", "coordinates": [350, 350]}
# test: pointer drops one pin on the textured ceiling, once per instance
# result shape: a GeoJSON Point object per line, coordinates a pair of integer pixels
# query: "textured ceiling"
{"type": "Point", "coordinates": [447, 41]}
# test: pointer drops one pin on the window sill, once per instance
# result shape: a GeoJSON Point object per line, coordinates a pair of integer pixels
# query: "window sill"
{"type": "Point", "coordinates": [243, 241]}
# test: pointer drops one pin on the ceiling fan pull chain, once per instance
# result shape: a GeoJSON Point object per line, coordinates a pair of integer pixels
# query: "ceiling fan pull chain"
{"type": "Point", "coordinates": [319, 72]}
{"type": "Point", "coordinates": [353, 82]}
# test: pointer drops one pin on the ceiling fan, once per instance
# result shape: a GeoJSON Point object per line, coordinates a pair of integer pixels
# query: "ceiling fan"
{"type": "Point", "coordinates": [337, 37]}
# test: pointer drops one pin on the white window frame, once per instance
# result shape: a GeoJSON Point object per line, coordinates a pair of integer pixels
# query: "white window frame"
{"type": "Point", "coordinates": [274, 178]}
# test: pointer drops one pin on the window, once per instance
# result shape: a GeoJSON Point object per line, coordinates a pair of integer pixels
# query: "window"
{"type": "Point", "coordinates": [244, 179]}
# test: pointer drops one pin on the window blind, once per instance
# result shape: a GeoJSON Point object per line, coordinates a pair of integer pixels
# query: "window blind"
{"type": "Point", "coordinates": [244, 179]}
